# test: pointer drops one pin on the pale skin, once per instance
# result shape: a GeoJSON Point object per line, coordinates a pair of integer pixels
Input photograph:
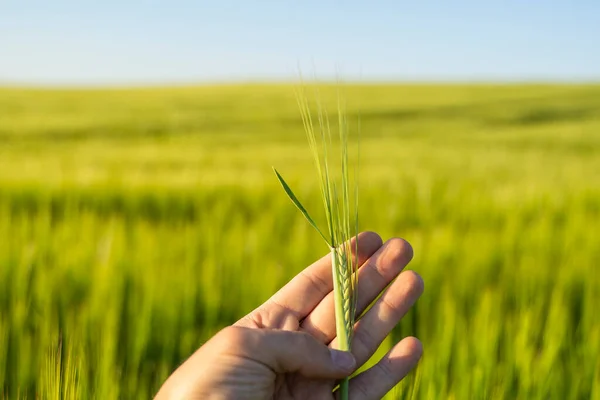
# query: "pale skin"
{"type": "Point", "coordinates": [285, 349]}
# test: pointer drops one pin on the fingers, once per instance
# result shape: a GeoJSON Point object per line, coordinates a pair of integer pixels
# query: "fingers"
{"type": "Point", "coordinates": [307, 289]}
{"type": "Point", "coordinates": [375, 382]}
{"type": "Point", "coordinates": [373, 276]}
{"type": "Point", "coordinates": [288, 352]}
{"type": "Point", "coordinates": [389, 309]}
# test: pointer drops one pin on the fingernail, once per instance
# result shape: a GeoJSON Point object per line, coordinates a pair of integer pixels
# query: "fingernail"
{"type": "Point", "coordinates": [343, 359]}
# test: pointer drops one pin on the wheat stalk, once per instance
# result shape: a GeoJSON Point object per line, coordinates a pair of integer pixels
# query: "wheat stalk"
{"type": "Point", "coordinates": [341, 213]}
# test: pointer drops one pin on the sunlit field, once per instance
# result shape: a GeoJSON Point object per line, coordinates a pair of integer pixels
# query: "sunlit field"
{"type": "Point", "coordinates": [134, 224]}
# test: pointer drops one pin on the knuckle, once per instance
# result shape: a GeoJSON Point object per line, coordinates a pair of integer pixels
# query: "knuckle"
{"type": "Point", "coordinates": [394, 307]}
{"type": "Point", "coordinates": [362, 388]}
{"type": "Point", "coordinates": [385, 369]}
{"type": "Point", "coordinates": [305, 339]}
{"type": "Point", "coordinates": [319, 283]}
{"type": "Point", "coordinates": [234, 338]}
{"type": "Point", "coordinates": [274, 316]}
{"type": "Point", "coordinates": [323, 333]}
{"type": "Point", "coordinates": [363, 343]}
{"type": "Point", "coordinates": [409, 287]}
{"type": "Point", "coordinates": [308, 346]}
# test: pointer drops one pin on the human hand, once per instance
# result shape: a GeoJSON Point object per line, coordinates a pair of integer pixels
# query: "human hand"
{"type": "Point", "coordinates": [285, 348]}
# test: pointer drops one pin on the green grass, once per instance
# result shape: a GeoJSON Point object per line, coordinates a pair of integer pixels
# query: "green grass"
{"type": "Point", "coordinates": [127, 218]}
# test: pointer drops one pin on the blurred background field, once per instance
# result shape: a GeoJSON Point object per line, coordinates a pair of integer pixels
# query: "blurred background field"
{"type": "Point", "coordinates": [136, 223]}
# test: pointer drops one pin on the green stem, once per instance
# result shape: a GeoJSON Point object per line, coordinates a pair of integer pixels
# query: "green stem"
{"type": "Point", "coordinates": [340, 318]}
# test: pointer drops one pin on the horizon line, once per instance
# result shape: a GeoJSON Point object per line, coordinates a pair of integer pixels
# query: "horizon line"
{"type": "Point", "coordinates": [149, 84]}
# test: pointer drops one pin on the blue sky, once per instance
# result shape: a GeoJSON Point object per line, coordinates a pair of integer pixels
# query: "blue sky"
{"type": "Point", "coordinates": [150, 42]}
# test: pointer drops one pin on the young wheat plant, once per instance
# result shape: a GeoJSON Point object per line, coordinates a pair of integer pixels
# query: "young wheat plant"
{"type": "Point", "coordinates": [340, 200]}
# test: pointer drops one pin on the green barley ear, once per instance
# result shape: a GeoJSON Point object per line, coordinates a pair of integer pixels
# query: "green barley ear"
{"type": "Point", "coordinates": [340, 213]}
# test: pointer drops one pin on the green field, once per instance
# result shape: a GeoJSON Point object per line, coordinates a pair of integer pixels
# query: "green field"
{"type": "Point", "coordinates": [127, 218]}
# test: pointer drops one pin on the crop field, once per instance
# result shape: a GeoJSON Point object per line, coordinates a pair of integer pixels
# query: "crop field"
{"type": "Point", "coordinates": [135, 223]}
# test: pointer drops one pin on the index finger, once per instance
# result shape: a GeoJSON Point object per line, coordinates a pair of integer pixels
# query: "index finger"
{"type": "Point", "coordinates": [306, 290]}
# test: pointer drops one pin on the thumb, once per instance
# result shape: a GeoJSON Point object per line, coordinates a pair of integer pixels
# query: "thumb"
{"type": "Point", "coordinates": [287, 351]}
